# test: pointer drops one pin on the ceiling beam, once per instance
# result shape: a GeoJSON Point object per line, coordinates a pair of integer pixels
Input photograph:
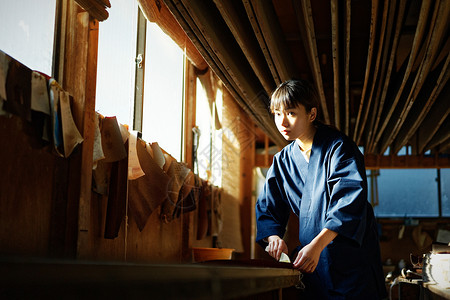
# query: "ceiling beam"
{"type": "Point", "coordinates": [423, 104]}
{"type": "Point", "coordinates": [417, 42]}
{"type": "Point", "coordinates": [389, 13]}
{"type": "Point", "coordinates": [274, 39]}
{"type": "Point", "coordinates": [442, 135]}
{"type": "Point", "coordinates": [335, 54]}
{"type": "Point", "coordinates": [262, 42]}
{"type": "Point", "coordinates": [368, 74]}
{"type": "Point", "coordinates": [348, 22]}
{"type": "Point", "coordinates": [435, 117]}
{"type": "Point", "coordinates": [306, 25]}
{"type": "Point", "coordinates": [437, 31]}
{"type": "Point", "coordinates": [243, 33]}
{"type": "Point", "coordinates": [387, 79]}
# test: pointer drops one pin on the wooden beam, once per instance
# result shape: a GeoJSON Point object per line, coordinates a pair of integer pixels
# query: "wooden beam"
{"type": "Point", "coordinates": [438, 29]}
{"type": "Point", "coordinates": [380, 69]}
{"type": "Point", "coordinates": [420, 30]}
{"type": "Point", "coordinates": [373, 26]}
{"type": "Point", "coordinates": [306, 24]}
{"type": "Point", "coordinates": [441, 136]}
{"type": "Point", "coordinates": [246, 39]}
{"type": "Point", "coordinates": [435, 118]}
{"type": "Point", "coordinates": [262, 43]}
{"type": "Point", "coordinates": [274, 38]}
{"type": "Point", "coordinates": [387, 78]}
{"type": "Point", "coordinates": [348, 23]}
{"type": "Point", "coordinates": [429, 94]}
{"type": "Point", "coordinates": [336, 54]}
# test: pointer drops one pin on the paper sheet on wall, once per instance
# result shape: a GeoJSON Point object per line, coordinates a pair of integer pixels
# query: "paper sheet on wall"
{"type": "Point", "coordinates": [134, 167]}
{"type": "Point", "coordinates": [112, 140]}
{"type": "Point", "coordinates": [39, 93]}
{"type": "Point", "coordinates": [98, 150]}
{"type": "Point", "coordinates": [71, 135]}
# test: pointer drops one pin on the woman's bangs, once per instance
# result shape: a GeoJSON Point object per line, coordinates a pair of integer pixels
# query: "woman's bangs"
{"type": "Point", "coordinates": [281, 99]}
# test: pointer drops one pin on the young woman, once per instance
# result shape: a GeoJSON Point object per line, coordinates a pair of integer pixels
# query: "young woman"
{"type": "Point", "coordinates": [321, 177]}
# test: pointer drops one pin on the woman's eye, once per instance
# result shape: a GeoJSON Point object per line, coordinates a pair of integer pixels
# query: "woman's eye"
{"type": "Point", "coordinates": [292, 114]}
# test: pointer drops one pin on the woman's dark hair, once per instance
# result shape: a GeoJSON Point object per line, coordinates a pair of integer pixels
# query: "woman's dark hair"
{"type": "Point", "coordinates": [292, 93]}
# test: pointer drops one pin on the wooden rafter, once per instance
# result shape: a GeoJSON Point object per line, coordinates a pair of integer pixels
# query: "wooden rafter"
{"type": "Point", "coordinates": [348, 18]}
{"type": "Point", "coordinates": [373, 25]}
{"type": "Point", "coordinates": [246, 39]}
{"type": "Point", "coordinates": [274, 39]}
{"type": "Point", "coordinates": [435, 118]}
{"type": "Point", "coordinates": [262, 43]}
{"type": "Point", "coordinates": [418, 113]}
{"type": "Point", "coordinates": [387, 79]}
{"type": "Point", "coordinates": [336, 54]}
{"type": "Point", "coordinates": [380, 69]}
{"type": "Point", "coordinates": [304, 13]}
{"type": "Point", "coordinates": [421, 26]}
{"type": "Point", "coordinates": [434, 40]}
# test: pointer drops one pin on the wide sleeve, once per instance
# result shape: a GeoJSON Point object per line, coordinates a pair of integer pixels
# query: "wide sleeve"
{"type": "Point", "coordinates": [347, 190]}
{"type": "Point", "coordinates": [272, 208]}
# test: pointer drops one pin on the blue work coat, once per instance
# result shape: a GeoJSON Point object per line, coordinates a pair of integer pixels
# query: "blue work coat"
{"type": "Point", "coordinates": [328, 192]}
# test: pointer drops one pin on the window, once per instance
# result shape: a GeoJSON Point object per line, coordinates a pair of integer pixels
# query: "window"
{"type": "Point", "coordinates": [208, 121]}
{"type": "Point", "coordinates": [407, 193]}
{"type": "Point", "coordinates": [26, 32]}
{"type": "Point", "coordinates": [163, 91]}
{"type": "Point", "coordinates": [116, 62]}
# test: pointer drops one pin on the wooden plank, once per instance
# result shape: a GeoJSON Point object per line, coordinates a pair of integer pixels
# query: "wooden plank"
{"type": "Point", "coordinates": [262, 43]}
{"type": "Point", "coordinates": [304, 15]}
{"type": "Point", "coordinates": [435, 117]}
{"type": "Point", "coordinates": [95, 8]}
{"type": "Point", "coordinates": [387, 79]}
{"type": "Point", "coordinates": [418, 113]}
{"type": "Point", "coordinates": [336, 54]}
{"type": "Point", "coordinates": [435, 38]}
{"type": "Point", "coordinates": [431, 54]}
{"type": "Point", "coordinates": [380, 69]}
{"type": "Point", "coordinates": [274, 38]}
{"type": "Point", "coordinates": [247, 41]}
{"type": "Point", "coordinates": [373, 25]}
{"type": "Point", "coordinates": [420, 30]}
{"type": "Point", "coordinates": [441, 136]}
{"type": "Point", "coordinates": [348, 22]}
{"type": "Point", "coordinates": [83, 244]}
{"type": "Point", "coordinates": [247, 161]}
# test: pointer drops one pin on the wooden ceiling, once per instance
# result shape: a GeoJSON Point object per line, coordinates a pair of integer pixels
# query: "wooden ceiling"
{"type": "Point", "coordinates": [381, 67]}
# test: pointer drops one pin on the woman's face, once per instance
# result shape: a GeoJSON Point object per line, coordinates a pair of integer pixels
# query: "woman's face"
{"type": "Point", "coordinates": [295, 123]}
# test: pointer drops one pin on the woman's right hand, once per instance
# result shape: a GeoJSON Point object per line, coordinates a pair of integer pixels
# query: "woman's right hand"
{"type": "Point", "coordinates": [276, 246]}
